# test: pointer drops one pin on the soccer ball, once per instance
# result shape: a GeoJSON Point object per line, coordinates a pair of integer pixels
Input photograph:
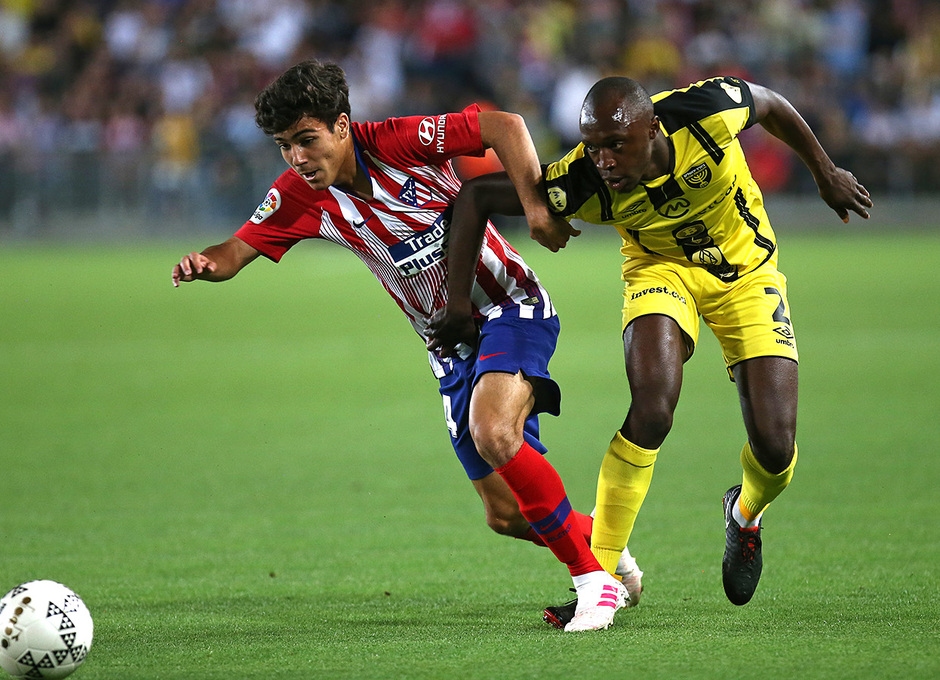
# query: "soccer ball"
{"type": "Point", "coordinates": [45, 630]}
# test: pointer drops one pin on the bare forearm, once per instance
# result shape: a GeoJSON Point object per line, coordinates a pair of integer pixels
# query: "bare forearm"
{"type": "Point", "coordinates": [453, 325]}
{"type": "Point", "coordinates": [478, 199]}
{"type": "Point", "coordinates": [508, 135]}
{"type": "Point", "coordinates": [779, 117]}
{"type": "Point", "coordinates": [226, 264]}
{"type": "Point", "coordinates": [839, 188]}
{"type": "Point", "coordinates": [216, 263]}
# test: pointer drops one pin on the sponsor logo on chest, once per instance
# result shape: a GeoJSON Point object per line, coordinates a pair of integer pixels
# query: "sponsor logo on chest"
{"type": "Point", "coordinates": [421, 250]}
{"type": "Point", "coordinates": [675, 208]}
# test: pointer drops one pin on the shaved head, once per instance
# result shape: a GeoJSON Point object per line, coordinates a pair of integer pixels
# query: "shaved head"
{"type": "Point", "coordinates": [621, 100]}
{"type": "Point", "coordinates": [620, 131]}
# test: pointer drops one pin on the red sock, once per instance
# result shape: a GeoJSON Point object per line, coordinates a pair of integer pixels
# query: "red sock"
{"type": "Point", "coordinates": [543, 502]}
{"type": "Point", "coordinates": [585, 524]}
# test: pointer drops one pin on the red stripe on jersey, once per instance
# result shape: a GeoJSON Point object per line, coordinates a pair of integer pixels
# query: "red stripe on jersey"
{"type": "Point", "coordinates": [399, 232]}
{"type": "Point", "coordinates": [503, 252]}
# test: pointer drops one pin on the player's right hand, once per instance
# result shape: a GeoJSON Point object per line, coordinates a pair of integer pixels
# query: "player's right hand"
{"type": "Point", "coordinates": [190, 267]}
{"type": "Point", "coordinates": [842, 192]}
{"type": "Point", "coordinates": [448, 329]}
{"type": "Point", "coordinates": [552, 232]}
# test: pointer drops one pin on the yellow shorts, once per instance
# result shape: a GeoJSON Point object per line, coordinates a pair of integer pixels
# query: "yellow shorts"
{"type": "Point", "coordinates": [750, 316]}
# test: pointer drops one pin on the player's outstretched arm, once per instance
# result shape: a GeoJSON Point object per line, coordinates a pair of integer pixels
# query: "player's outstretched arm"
{"type": "Point", "coordinates": [838, 187]}
{"type": "Point", "coordinates": [477, 200]}
{"type": "Point", "coordinates": [216, 263]}
{"type": "Point", "coordinates": [509, 137]}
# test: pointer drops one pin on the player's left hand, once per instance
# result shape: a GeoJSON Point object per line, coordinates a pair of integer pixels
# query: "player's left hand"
{"type": "Point", "coordinates": [843, 192]}
{"type": "Point", "coordinates": [449, 328]}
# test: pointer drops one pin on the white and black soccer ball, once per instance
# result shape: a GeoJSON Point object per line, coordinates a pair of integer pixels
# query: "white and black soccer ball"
{"type": "Point", "coordinates": [45, 630]}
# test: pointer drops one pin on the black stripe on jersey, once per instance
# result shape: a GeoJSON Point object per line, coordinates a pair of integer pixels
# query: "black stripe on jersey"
{"type": "Point", "coordinates": [740, 203]}
{"type": "Point", "coordinates": [635, 233]}
{"type": "Point", "coordinates": [661, 195]}
{"type": "Point", "coordinates": [707, 141]}
{"type": "Point", "coordinates": [580, 182]}
{"type": "Point", "coordinates": [607, 207]}
{"type": "Point", "coordinates": [683, 107]}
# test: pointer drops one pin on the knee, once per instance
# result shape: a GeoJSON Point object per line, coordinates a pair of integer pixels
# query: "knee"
{"type": "Point", "coordinates": [774, 451]}
{"type": "Point", "coordinates": [497, 442]}
{"type": "Point", "coordinates": [648, 422]}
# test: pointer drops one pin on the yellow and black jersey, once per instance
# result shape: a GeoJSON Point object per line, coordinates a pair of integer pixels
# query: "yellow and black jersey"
{"type": "Point", "coordinates": [706, 211]}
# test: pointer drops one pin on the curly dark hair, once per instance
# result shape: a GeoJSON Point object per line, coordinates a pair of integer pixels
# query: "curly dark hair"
{"type": "Point", "coordinates": [310, 88]}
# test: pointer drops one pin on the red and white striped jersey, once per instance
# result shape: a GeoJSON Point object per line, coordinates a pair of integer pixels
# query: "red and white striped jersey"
{"type": "Point", "coordinates": [401, 233]}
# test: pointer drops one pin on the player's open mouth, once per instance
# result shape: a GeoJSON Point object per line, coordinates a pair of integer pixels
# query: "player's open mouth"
{"type": "Point", "coordinates": [309, 176]}
{"type": "Point", "coordinates": [616, 183]}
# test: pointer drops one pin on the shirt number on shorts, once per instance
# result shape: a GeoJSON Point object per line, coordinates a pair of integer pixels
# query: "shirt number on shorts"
{"type": "Point", "coordinates": [780, 314]}
{"type": "Point", "coordinates": [449, 417]}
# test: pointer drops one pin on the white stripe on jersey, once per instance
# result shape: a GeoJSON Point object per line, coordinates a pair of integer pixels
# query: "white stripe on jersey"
{"type": "Point", "coordinates": [433, 180]}
{"type": "Point", "coordinates": [400, 235]}
{"type": "Point", "coordinates": [416, 295]}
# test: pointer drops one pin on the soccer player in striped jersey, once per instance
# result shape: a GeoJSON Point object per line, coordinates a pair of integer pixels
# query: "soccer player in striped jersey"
{"type": "Point", "coordinates": [669, 173]}
{"type": "Point", "coordinates": [384, 190]}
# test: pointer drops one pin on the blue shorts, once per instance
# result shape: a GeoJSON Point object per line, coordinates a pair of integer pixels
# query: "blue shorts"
{"type": "Point", "coordinates": [507, 345]}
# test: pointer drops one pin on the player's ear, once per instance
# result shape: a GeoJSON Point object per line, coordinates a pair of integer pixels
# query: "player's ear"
{"type": "Point", "coordinates": [342, 125]}
{"type": "Point", "coordinates": [654, 127]}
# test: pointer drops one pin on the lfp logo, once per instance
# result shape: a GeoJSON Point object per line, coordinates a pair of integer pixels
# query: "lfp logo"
{"type": "Point", "coordinates": [268, 206]}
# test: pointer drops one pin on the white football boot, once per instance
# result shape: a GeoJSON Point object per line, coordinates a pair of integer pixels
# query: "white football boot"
{"type": "Point", "coordinates": [631, 577]}
{"type": "Point", "coordinates": [598, 601]}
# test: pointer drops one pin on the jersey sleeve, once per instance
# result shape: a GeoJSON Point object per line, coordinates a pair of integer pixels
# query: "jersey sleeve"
{"type": "Point", "coordinates": [424, 140]}
{"type": "Point", "coordinates": [278, 223]}
{"type": "Point", "coordinates": [571, 182]}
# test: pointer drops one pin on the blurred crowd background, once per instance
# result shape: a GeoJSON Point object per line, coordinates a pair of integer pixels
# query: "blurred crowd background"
{"type": "Point", "coordinates": [142, 110]}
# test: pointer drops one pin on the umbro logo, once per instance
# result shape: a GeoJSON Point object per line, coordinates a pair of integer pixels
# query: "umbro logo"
{"type": "Point", "coordinates": [634, 208]}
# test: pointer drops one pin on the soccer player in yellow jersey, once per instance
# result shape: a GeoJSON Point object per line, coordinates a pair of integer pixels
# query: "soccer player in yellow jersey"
{"type": "Point", "coordinates": [669, 174]}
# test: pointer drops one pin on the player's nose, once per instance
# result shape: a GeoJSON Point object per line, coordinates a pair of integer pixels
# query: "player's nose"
{"type": "Point", "coordinates": [297, 158]}
{"type": "Point", "coordinates": [605, 160]}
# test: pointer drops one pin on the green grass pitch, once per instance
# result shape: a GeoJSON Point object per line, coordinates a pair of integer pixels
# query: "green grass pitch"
{"type": "Point", "coordinates": [253, 479]}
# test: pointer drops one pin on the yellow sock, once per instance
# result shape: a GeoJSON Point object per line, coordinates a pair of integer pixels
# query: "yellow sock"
{"type": "Point", "coordinates": [760, 487]}
{"type": "Point", "coordinates": [624, 479]}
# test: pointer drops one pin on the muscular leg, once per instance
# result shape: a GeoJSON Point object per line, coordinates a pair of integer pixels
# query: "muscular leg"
{"type": "Point", "coordinates": [503, 515]}
{"type": "Point", "coordinates": [500, 506]}
{"type": "Point", "coordinates": [767, 387]}
{"type": "Point", "coordinates": [499, 406]}
{"type": "Point", "coordinates": [654, 351]}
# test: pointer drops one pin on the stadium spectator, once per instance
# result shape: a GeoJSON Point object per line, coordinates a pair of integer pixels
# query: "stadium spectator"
{"type": "Point", "coordinates": [854, 68]}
